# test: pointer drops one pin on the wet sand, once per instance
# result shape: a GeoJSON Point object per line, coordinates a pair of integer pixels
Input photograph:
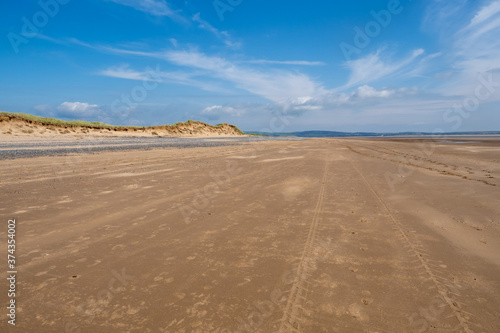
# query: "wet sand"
{"type": "Point", "coordinates": [318, 235]}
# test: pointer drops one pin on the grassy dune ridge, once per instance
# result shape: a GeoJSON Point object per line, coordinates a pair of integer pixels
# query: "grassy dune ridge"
{"type": "Point", "coordinates": [98, 125]}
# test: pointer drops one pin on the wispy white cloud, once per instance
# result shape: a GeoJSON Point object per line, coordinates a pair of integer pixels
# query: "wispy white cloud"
{"type": "Point", "coordinates": [275, 85]}
{"type": "Point", "coordinates": [441, 16]}
{"type": "Point", "coordinates": [471, 46]}
{"type": "Point", "coordinates": [272, 84]}
{"type": "Point", "coordinates": [294, 92]}
{"type": "Point", "coordinates": [156, 75]}
{"type": "Point", "coordinates": [174, 42]}
{"type": "Point", "coordinates": [222, 35]}
{"type": "Point", "coordinates": [474, 32]}
{"type": "Point", "coordinates": [485, 13]}
{"type": "Point", "coordinates": [372, 67]}
{"type": "Point", "coordinates": [124, 72]}
{"type": "Point", "coordinates": [289, 62]}
{"type": "Point", "coordinates": [104, 48]}
{"type": "Point", "coordinates": [358, 95]}
{"type": "Point", "coordinates": [152, 7]}
{"type": "Point", "coordinates": [48, 38]}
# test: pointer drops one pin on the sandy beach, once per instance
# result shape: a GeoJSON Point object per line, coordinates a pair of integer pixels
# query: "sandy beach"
{"type": "Point", "coordinates": [316, 235]}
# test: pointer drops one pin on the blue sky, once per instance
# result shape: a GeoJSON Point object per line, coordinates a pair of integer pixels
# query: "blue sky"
{"type": "Point", "coordinates": [262, 65]}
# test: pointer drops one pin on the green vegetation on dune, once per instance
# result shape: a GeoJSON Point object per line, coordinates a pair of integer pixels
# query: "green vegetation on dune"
{"type": "Point", "coordinates": [232, 126]}
{"type": "Point", "coordinates": [58, 122]}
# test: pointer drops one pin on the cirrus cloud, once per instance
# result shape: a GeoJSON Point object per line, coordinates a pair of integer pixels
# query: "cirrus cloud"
{"type": "Point", "coordinates": [373, 67]}
{"type": "Point", "coordinates": [152, 7]}
{"type": "Point", "coordinates": [274, 85]}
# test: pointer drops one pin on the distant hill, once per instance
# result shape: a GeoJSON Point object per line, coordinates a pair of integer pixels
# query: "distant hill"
{"type": "Point", "coordinates": [334, 134]}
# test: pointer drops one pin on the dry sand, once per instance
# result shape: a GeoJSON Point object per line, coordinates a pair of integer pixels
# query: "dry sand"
{"type": "Point", "coordinates": [320, 235]}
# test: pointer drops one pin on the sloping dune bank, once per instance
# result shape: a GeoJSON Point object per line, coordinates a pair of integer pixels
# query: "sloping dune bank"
{"type": "Point", "coordinates": [12, 124]}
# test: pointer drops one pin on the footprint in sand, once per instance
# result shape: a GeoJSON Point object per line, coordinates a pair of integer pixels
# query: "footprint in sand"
{"type": "Point", "coordinates": [45, 283]}
{"type": "Point", "coordinates": [367, 301]}
{"type": "Point", "coordinates": [119, 246]}
{"type": "Point", "coordinates": [357, 312]}
{"type": "Point", "coordinates": [160, 277]}
{"type": "Point", "coordinates": [65, 199]}
{"type": "Point", "coordinates": [97, 262]}
{"type": "Point", "coordinates": [180, 295]}
{"type": "Point", "coordinates": [163, 277]}
{"type": "Point", "coordinates": [132, 311]}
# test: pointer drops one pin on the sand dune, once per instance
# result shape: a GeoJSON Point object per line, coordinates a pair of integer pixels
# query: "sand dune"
{"type": "Point", "coordinates": [15, 125]}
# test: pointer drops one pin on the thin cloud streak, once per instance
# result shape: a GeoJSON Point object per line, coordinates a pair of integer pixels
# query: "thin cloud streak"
{"type": "Point", "coordinates": [178, 77]}
{"type": "Point", "coordinates": [222, 35]}
{"type": "Point", "coordinates": [276, 85]}
{"type": "Point", "coordinates": [290, 62]}
{"type": "Point", "coordinates": [152, 7]}
{"type": "Point", "coordinates": [372, 68]}
{"type": "Point", "coordinates": [485, 13]}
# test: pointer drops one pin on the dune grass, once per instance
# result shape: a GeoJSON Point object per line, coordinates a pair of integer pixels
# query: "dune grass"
{"type": "Point", "coordinates": [232, 126]}
{"type": "Point", "coordinates": [59, 122]}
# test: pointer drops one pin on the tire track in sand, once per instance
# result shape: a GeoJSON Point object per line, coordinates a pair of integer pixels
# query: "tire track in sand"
{"type": "Point", "coordinates": [290, 319]}
{"type": "Point", "coordinates": [420, 166]}
{"type": "Point", "coordinates": [440, 286]}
